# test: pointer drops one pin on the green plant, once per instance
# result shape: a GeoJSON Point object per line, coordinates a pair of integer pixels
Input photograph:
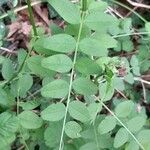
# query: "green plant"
{"type": "Point", "coordinates": [57, 98]}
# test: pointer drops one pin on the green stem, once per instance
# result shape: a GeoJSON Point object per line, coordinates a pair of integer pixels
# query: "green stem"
{"type": "Point", "coordinates": [71, 80]}
{"type": "Point", "coordinates": [32, 18]}
{"type": "Point", "coordinates": [84, 5]}
{"type": "Point", "coordinates": [130, 9]}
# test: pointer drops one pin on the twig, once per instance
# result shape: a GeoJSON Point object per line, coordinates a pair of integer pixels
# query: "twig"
{"type": "Point", "coordinates": [7, 50]}
{"type": "Point", "coordinates": [138, 4]}
{"type": "Point", "coordinates": [141, 80]}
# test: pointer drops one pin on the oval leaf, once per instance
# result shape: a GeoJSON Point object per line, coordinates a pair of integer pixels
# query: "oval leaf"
{"type": "Point", "coordinates": [54, 112]}
{"type": "Point", "coordinates": [60, 63]}
{"type": "Point", "coordinates": [62, 6]}
{"type": "Point", "coordinates": [55, 89]}
{"type": "Point", "coordinates": [79, 111]}
{"type": "Point", "coordinates": [73, 129]}
{"type": "Point", "coordinates": [30, 120]}
{"type": "Point", "coordinates": [84, 86]}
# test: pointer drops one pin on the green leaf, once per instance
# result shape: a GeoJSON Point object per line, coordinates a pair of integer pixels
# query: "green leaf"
{"type": "Point", "coordinates": [24, 84]}
{"type": "Point", "coordinates": [55, 89]}
{"type": "Point", "coordinates": [93, 47]}
{"type": "Point", "coordinates": [7, 69]}
{"type": "Point", "coordinates": [136, 123]}
{"type": "Point", "coordinates": [108, 124]}
{"type": "Point", "coordinates": [52, 134]}
{"type": "Point", "coordinates": [124, 108]}
{"type": "Point", "coordinates": [30, 120]}
{"type": "Point", "coordinates": [84, 86]}
{"type": "Point", "coordinates": [91, 145]}
{"type": "Point", "coordinates": [132, 146]}
{"type": "Point", "coordinates": [34, 64]}
{"type": "Point", "coordinates": [3, 97]}
{"type": "Point", "coordinates": [147, 27]}
{"type": "Point", "coordinates": [79, 111]}
{"type": "Point", "coordinates": [54, 112]}
{"type": "Point", "coordinates": [144, 138]}
{"type": "Point", "coordinates": [100, 21]}
{"type": "Point", "coordinates": [29, 105]}
{"type": "Point", "coordinates": [73, 129]}
{"type": "Point", "coordinates": [121, 138]}
{"type": "Point", "coordinates": [59, 43]}
{"type": "Point", "coordinates": [63, 8]}
{"type": "Point", "coordinates": [60, 63]}
{"type": "Point", "coordinates": [106, 93]}
{"type": "Point", "coordinates": [87, 66]}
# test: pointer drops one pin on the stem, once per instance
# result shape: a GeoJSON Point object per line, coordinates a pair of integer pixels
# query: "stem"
{"type": "Point", "coordinates": [32, 18]}
{"type": "Point", "coordinates": [136, 140]}
{"type": "Point", "coordinates": [84, 5]}
{"type": "Point", "coordinates": [137, 14]}
{"type": "Point", "coordinates": [71, 81]}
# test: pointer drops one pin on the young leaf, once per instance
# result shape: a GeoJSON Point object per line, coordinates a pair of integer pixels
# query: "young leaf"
{"type": "Point", "coordinates": [60, 63]}
{"type": "Point", "coordinates": [7, 69]}
{"type": "Point", "coordinates": [54, 112]}
{"type": "Point", "coordinates": [108, 124]}
{"type": "Point", "coordinates": [55, 89]}
{"type": "Point", "coordinates": [121, 138]}
{"type": "Point", "coordinates": [87, 66]}
{"type": "Point", "coordinates": [136, 123]}
{"type": "Point", "coordinates": [30, 120]}
{"type": "Point", "coordinates": [93, 47]}
{"type": "Point", "coordinates": [63, 43]}
{"type": "Point", "coordinates": [84, 86]}
{"type": "Point", "coordinates": [79, 111]}
{"type": "Point", "coordinates": [34, 64]}
{"type": "Point", "coordinates": [124, 108]}
{"type": "Point", "coordinates": [73, 129]}
{"type": "Point", "coordinates": [63, 8]}
{"type": "Point", "coordinates": [52, 134]}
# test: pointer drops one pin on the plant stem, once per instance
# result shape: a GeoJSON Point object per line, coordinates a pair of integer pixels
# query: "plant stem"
{"type": "Point", "coordinates": [71, 80]}
{"type": "Point", "coordinates": [31, 17]}
{"type": "Point", "coordinates": [84, 5]}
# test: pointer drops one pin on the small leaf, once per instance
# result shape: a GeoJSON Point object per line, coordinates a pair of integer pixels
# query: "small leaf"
{"type": "Point", "coordinates": [7, 69]}
{"type": "Point", "coordinates": [136, 123]}
{"type": "Point", "coordinates": [59, 43]}
{"type": "Point", "coordinates": [93, 47]}
{"type": "Point", "coordinates": [79, 111]}
{"type": "Point", "coordinates": [84, 86]}
{"type": "Point", "coordinates": [132, 146]}
{"type": "Point", "coordinates": [60, 63]}
{"type": "Point", "coordinates": [87, 66]}
{"type": "Point", "coordinates": [62, 6]}
{"type": "Point", "coordinates": [108, 124]}
{"type": "Point", "coordinates": [124, 108]}
{"type": "Point", "coordinates": [121, 138]}
{"type": "Point", "coordinates": [73, 129]}
{"type": "Point", "coordinates": [147, 27]}
{"type": "Point", "coordinates": [55, 89]}
{"type": "Point", "coordinates": [30, 120]}
{"type": "Point", "coordinates": [54, 112]}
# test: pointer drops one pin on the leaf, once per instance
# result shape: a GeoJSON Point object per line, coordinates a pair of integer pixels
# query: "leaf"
{"type": "Point", "coordinates": [7, 69]}
{"type": "Point", "coordinates": [54, 112]}
{"type": "Point", "coordinates": [24, 84]}
{"type": "Point", "coordinates": [3, 98]}
{"type": "Point", "coordinates": [52, 134]}
{"type": "Point", "coordinates": [91, 145]}
{"type": "Point", "coordinates": [132, 146]}
{"type": "Point", "coordinates": [55, 89]}
{"type": "Point", "coordinates": [79, 111]}
{"type": "Point", "coordinates": [100, 21]}
{"type": "Point", "coordinates": [60, 63]}
{"type": "Point", "coordinates": [84, 86]}
{"type": "Point", "coordinates": [136, 123]}
{"type": "Point", "coordinates": [108, 124]}
{"type": "Point", "coordinates": [59, 43]}
{"type": "Point", "coordinates": [87, 66]}
{"type": "Point", "coordinates": [124, 109]}
{"type": "Point", "coordinates": [92, 47]}
{"type": "Point", "coordinates": [144, 138]}
{"type": "Point", "coordinates": [34, 64]}
{"type": "Point", "coordinates": [30, 120]}
{"type": "Point", "coordinates": [147, 27]}
{"type": "Point", "coordinates": [106, 93]}
{"type": "Point", "coordinates": [121, 138]}
{"type": "Point", "coordinates": [62, 6]}
{"type": "Point", "coordinates": [118, 84]}
{"type": "Point", "coordinates": [73, 129]}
